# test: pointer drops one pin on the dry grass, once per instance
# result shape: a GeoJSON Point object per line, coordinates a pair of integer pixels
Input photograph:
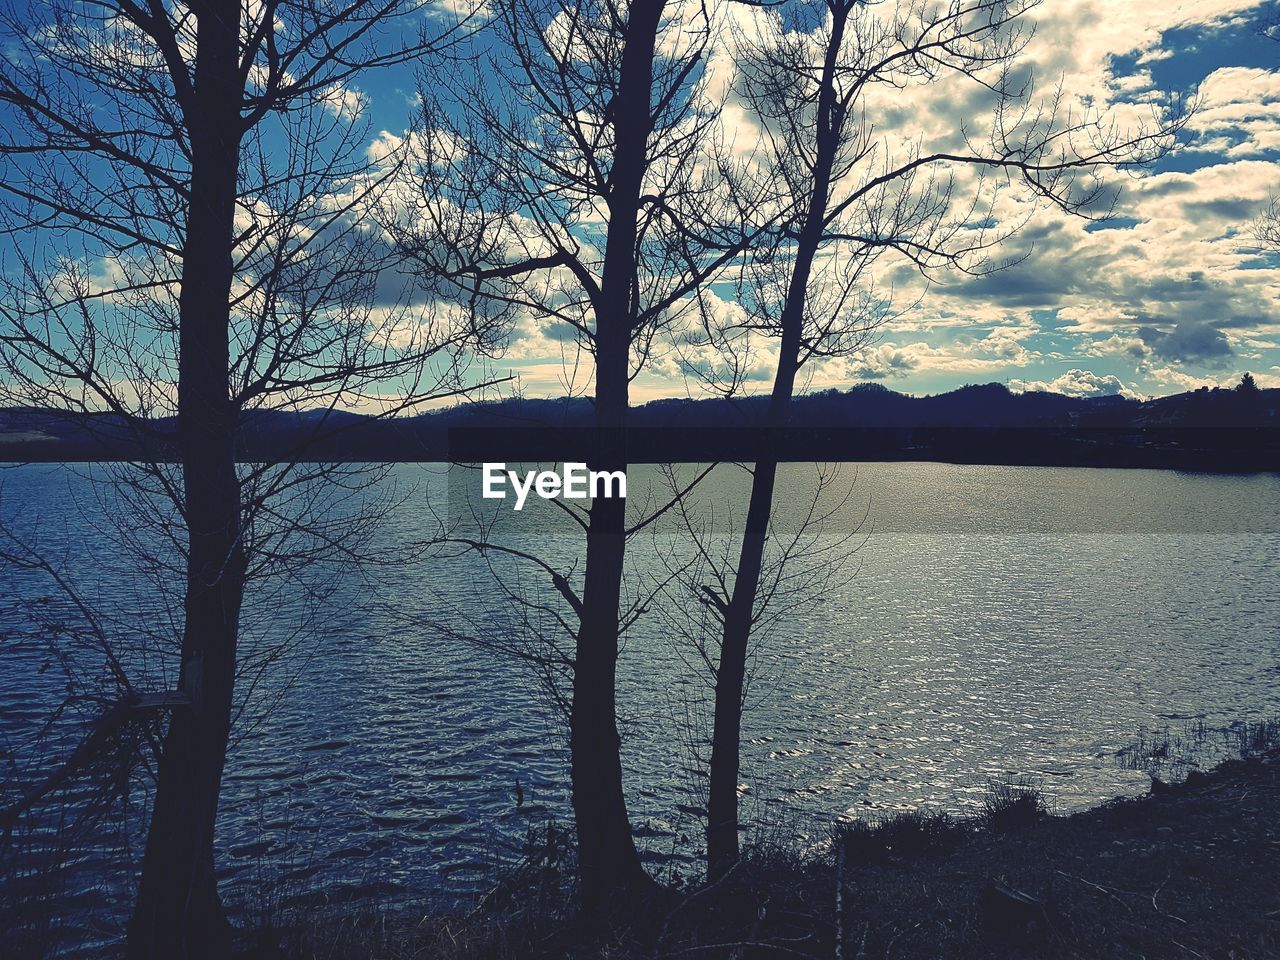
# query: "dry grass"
{"type": "Point", "coordinates": [1013, 805]}
{"type": "Point", "coordinates": [1192, 870]}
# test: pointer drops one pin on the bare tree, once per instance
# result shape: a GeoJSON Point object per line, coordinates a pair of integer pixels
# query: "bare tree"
{"type": "Point", "coordinates": [586, 182]}
{"type": "Point", "coordinates": [856, 198]}
{"type": "Point", "coordinates": [185, 186]}
{"type": "Point", "coordinates": [811, 554]}
{"type": "Point", "coordinates": [1267, 227]}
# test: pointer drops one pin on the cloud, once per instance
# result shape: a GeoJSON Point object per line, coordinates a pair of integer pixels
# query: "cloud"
{"type": "Point", "coordinates": [1078, 383]}
{"type": "Point", "coordinates": [967, 356]}
{"type": "Point", "coordinates": [1188, 341]}
{"type": "Point", "coordinates": [1239, 113]}
{"type": "Point", "coordinates": [1181, 380]}
{"type": "Point", "coordinates": [473, 12]}
{"type": "Point", "coordinates": [1176, 280]}
{"type": "Point", "coordinates": [345, 103]}
{"type": "Point", "coordinates": [883, 362]}
{"type": "Point", "coordinates": [1133, 348]}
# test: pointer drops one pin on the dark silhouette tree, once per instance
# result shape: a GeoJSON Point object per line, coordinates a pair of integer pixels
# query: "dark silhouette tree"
{"type": "Point", "coordinates": [208, 160]}
{"type": "Point", "coordinates": [856, 198]}
{"type": "Point", "coordinates": [585, 181]}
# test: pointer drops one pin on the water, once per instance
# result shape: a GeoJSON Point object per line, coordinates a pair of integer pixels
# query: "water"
{"type": "Point", "coordinates": [994, 621]}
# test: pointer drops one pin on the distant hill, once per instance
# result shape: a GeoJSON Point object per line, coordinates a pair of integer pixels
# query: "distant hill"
{"type": "Point", "coordinates": [1205, 429]}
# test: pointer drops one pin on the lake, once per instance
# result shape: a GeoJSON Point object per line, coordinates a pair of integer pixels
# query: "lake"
{"type": "Point", "coordinates": [993, 622]}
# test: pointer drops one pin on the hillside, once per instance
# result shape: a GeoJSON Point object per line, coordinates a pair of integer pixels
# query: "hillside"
{"type": "Point", "coordinates": [1213, 429]}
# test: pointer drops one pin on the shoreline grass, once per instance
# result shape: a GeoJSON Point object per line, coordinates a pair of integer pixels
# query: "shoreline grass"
{"type": "Point", "coordinates": [1191, 869]}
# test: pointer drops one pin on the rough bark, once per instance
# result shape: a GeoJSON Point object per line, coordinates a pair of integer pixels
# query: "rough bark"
{"type": "Point", "coordinates": [178, 913]}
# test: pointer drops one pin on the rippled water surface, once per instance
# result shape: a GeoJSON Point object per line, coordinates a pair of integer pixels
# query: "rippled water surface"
{"type": "Point", "coordinates": [995, 621]}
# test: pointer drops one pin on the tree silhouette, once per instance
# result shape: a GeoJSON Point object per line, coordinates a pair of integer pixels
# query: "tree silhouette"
{"type": "Point", "coordinates": [583, 180]}
{"type": "Point", "coordinates": [858, 198]}
{"type": "Point", "coordinates": [208, 162]}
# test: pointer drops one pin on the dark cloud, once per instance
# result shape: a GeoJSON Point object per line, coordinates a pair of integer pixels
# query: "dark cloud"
{"type": "Point", "coordinates": [1016, 288]}
{"type": "Point", "coordinates": [1241, 211]}
{"type": "Point", "coordinates": [394, 287]}
{"type": "Point", "coordinates": [1170, 186]}
{"type": "Point", "coordinates": [1188, 342]}
{"type": "Point", "coordinates": [1051, 270]}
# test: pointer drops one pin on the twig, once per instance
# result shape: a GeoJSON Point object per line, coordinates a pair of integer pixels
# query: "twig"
{"type": "Point", "coordinates": [898, 936]}
{"type": "Point", "coordinates": [1101, 889]}
{"type": "Point", "coordinates": [116, 716]}
{"type": "Point", "coordinates": [746, 944]}
{"type": "Point", "coordinates": [1155, 893]}
{"type": "Point", "coordinates": [697, 895]}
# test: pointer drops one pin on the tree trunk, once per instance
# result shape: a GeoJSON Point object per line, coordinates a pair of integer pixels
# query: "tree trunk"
{"type": "Point", "coordinates": [726, 734]}
{"type": "Point", "coordinates": [722, 799]}
{"type": "Point", "coordinates": [178, 914]}
{"type": "Point", "coordinates": [609, 865]}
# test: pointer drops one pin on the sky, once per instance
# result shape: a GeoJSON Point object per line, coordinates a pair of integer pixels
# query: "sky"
{"type": "Point", "coordinates": [1171, 294]}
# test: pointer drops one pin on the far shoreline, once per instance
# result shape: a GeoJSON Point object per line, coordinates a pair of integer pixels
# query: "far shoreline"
{"type": "Point", "coordinates": [1223, 431]}
{"type": "Point", "coordinates": [1199, 463]}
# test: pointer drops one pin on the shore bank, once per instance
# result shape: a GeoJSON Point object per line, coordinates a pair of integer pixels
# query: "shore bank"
{"type": "Point", "coordinates": [1190, 870]}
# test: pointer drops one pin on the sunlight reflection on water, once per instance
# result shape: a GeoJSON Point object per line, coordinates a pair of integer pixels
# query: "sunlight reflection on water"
{"type": "Point", "coordinates": [1002, 621]}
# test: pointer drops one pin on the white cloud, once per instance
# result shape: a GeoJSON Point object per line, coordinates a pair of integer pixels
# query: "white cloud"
{"type": "Point", "coordinates": [1078, 383]}
{"type": "Point", "coordinates": [1239, 112]}
{"type": "Point", "coordinates": [345, 103]}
